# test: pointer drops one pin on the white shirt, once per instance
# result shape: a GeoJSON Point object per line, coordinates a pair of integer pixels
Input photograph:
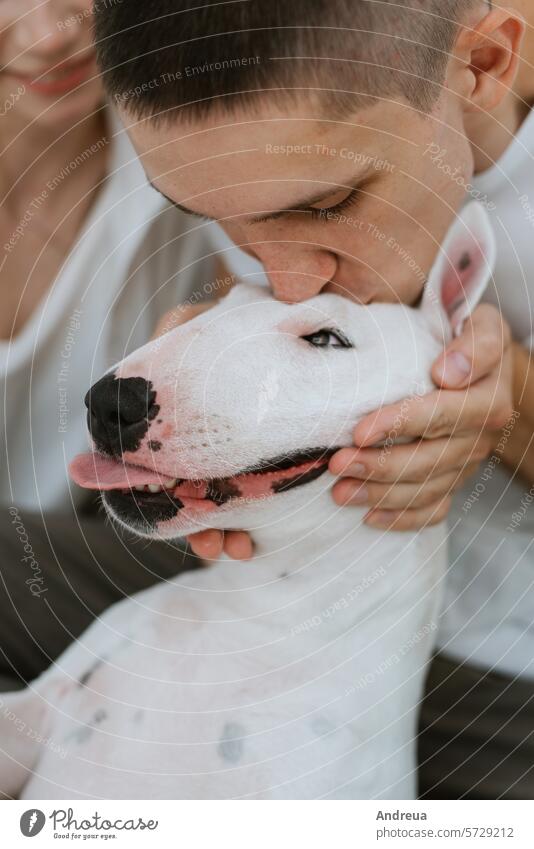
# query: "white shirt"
{"type": "Point", "coordinates": [488, 616]}
{"type": "Point", "coordinates": [136, 258]}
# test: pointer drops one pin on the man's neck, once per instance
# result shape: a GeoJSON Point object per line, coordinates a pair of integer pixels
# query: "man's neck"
{"type": "Point", "coordinates": [491, 133]}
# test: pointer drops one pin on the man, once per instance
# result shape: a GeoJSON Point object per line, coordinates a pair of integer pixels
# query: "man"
{"type": "Point", "coordinates": [333, 142]}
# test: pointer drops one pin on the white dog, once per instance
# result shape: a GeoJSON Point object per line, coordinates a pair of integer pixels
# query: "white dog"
{"type": "Point", "coordinates": [296, 675]}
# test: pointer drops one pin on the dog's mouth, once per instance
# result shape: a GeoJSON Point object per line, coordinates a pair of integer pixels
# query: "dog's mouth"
{"type": "Point", "coordinates": [134, 491]}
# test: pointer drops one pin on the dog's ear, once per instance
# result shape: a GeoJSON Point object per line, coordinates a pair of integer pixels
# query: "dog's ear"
{"type": "Point", "coordinates": [462, 270]}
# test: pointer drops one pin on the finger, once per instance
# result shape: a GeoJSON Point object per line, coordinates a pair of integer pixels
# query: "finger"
{"type": "Point", "coordinates": [409, 520]}
{"type": "Point", "coordinates": [413, 462]}
{"type": "Point", "coordinates": [486, 404]}
{"type": "Point", "coordinates": [238, 545]}
{"type": "Point", "coordinates": [179, 315]}
{"type": "Point", "coordinates": [398, 496]}
{"type": "Point", "coordinates": [468, 471]}
{"type": "Point", "coordinates": [207, 544]}
{"type": "Point", "coordinates": [476, 352]}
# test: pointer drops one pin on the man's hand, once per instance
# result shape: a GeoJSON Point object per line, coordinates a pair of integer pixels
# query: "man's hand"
{"type": "Point", "coordinates": [409, 486]}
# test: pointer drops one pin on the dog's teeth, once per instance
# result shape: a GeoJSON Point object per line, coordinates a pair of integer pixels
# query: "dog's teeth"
{"type": "Point", "coordinates": [139, 487]}
{"type": "Point", "coordinates": [154, 487]}
{"type": "Point", "coordinates": [169, 483]}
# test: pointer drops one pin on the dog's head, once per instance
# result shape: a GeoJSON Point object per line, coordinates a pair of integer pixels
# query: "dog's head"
{"type": "Point", "coordinates": [248, 401]}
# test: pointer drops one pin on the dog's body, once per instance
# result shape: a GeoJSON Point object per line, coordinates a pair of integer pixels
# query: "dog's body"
{"type": "Point", "coordinates": [296, 675]}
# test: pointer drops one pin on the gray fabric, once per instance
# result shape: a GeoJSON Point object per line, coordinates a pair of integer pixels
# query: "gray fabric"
{"type": "Point", "coordinates": [476, 734]}
{"type": "Point", "coordinates": [75, 568]}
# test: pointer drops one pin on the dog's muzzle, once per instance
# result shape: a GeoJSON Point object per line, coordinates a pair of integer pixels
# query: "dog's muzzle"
{"type": "Point", "coordinates": [119, 412]}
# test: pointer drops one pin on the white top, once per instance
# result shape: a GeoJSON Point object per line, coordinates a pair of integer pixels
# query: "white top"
{"type": "Point", "coordinates": [488, 617]}
{"type": "Point", "coordinates": [136, 258]}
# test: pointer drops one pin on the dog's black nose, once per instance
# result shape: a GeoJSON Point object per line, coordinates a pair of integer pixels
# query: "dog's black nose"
{"type": "Point", "coordinates": [119, 412]}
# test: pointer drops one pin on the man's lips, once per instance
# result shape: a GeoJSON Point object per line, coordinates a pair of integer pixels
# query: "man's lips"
{"type": "Point", "coordinates": [60, 79]}
{"type": "Point", "coordinates": [93, 471]}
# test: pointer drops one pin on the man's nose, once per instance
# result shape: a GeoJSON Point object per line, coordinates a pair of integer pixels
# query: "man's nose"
{"type": "Point", "coordinates": [119, 412]}
{"type": "Point", "coordinates": [296, 272]}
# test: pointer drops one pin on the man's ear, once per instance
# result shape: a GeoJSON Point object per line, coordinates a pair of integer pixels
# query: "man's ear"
{"type": "Point", "coordinates": [462, 270]}
{"type": "Point", "coordinates": [487, 57]}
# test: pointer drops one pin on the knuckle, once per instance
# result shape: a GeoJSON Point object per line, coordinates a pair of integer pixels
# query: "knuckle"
{"type": "Point", "coordinates": [421, 475]}
{"type": "Point", "coordinates": [439, 426]}
{"type": "Point", "coordinates": [433, 514]}
{"type": "Point", "coordinates": [379, 494]}
{"type": "Point", "coordinates": [433, 491]}
{"type": "Point", "coordinates": [379, 468]}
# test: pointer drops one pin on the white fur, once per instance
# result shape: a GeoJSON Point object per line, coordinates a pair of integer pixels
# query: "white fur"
{"type": "Point", "coordinates": [297, 675]}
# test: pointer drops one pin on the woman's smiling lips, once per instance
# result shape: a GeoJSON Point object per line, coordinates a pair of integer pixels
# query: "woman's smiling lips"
{"type": "Point", "coordinates": [61, 78]}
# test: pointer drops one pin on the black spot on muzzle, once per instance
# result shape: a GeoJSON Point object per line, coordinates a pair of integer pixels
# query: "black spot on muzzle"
{"type": "Point", "coordinates": [120, 411]}
{"type": "Point", "coordinates": [142, 510]}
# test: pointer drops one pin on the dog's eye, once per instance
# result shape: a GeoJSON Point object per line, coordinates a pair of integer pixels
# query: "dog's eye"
{"type": "Point", "coordinates": [327, 338]}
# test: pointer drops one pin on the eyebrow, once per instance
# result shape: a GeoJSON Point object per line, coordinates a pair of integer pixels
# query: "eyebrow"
{"type": "Point", "coordinates": [359, 184]}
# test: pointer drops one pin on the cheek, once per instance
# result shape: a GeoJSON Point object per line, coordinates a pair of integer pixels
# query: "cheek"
{"type": "Point", "coordinates": [384, 270]}
{"type": "Point", "coordinates": [10, 11]}
{"type": "Point", "coordinates": [237, 235]}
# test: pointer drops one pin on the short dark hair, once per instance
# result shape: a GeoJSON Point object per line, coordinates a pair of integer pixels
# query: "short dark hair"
{"type": "Point", "coordinates": [203, 55]}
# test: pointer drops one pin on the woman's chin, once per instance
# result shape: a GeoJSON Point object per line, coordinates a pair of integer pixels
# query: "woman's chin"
{"type": "Point", "coordinates": [51, 113]}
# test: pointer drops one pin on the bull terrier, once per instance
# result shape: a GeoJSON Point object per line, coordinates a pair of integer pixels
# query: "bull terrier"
{"type": "Point", "coordinates": [296, 675]}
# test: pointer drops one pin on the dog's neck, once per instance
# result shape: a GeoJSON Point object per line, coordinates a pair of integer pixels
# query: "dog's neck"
{"type": "Point", "coordinates": [297, 529]}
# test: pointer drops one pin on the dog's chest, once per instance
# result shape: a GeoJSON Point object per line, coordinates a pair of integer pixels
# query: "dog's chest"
{"type": "Point", "coordinates": [230, 676]}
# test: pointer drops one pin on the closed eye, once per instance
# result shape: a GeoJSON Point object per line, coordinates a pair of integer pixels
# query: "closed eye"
{"type": "Point", "coordinates": [327, 213]}
{"type": "Point", "coordinates": [328, 338]}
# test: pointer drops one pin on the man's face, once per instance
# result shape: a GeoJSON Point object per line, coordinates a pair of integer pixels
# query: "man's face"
{"type": "Point", "coordinates": [356, 206]}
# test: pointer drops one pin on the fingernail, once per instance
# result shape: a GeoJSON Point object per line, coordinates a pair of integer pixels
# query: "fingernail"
{"type": "Point", "coordinates": [456, 367]}
{"type": "Point", "coordinates": [358, 470]}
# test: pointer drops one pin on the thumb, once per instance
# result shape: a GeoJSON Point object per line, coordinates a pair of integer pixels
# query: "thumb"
{"type": "Point", "coordinates": [475, 353]}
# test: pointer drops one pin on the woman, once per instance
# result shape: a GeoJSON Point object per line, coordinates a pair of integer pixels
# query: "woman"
{"type": "Point", "coordinates": [90, 258]}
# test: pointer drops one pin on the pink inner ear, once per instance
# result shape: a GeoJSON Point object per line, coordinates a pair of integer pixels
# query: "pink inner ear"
{"type": "Point", "coordinates": [462, 271]}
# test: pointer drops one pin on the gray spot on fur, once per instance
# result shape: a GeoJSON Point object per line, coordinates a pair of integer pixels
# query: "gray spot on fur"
{"type": "Point", "coordinates": [321, 726]}
{"type": "Point", "coordinates": [138, 715]}
{"type": "Point", "coordinates": [81, 735]}
{"type": "Point", "coordinates": [84, 679]}
{"type": "Point", "coordinates": [85, 732]}
{"type": "Point", "coordinates": [231, 746]}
